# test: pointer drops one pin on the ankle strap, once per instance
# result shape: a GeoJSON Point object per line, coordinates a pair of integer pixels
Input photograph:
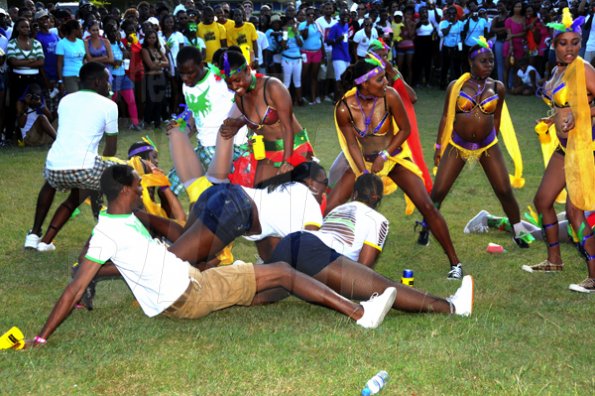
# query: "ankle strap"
{"type": "Point", "coordinates": [553, 244]}
{"type": "Point", "coordinates": [546, 226]}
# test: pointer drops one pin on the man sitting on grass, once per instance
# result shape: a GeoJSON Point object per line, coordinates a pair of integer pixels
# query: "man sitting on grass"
{"type": "Point", "coordinates": [164, 284]}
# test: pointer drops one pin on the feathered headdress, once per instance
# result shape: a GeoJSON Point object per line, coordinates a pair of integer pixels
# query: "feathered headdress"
{"type": "Point", "coordinates": [567, 24]}
{"type": "Point", "coordinates": [375, 60]}
{"type": "Point", "coordinates": [485, 46]}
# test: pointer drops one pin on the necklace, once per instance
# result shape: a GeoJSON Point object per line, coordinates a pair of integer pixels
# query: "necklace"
{"type": "Point", "coordinates": [367, 118]}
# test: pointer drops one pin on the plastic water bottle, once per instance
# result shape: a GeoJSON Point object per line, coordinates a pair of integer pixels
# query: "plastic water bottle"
{"type": "Point", "coordinates": [407, 278]}
{"type": "Point", "coordinates": [375, 384]}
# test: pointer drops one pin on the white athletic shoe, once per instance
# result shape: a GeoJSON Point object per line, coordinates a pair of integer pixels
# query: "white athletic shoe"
{"type": "Point", "coordinates": [46, 247]}
{"type": "Point", "coordinates": [463, 297]}
{"type": "Point", "coordinates": [586, 286]}
{"type": "Point", "coordinates": [376, 308]}
{"type": "Point", "coordinates": [479, 223]}
{"type": "Point", "coordinates": [32, 241]}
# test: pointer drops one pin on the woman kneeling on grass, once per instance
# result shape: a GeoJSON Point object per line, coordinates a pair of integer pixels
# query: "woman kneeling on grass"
{"type": "Point", "coordinates": [372, 127]}
{"type": "Point", "coordinates": [356, 231]}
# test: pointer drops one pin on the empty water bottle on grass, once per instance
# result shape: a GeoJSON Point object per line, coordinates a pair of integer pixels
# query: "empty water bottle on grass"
{"type": "Point", "coordinates": [375, 384]}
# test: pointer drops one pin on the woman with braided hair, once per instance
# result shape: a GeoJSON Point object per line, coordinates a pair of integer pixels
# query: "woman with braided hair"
{"type": "Point", "coordinates": [372, 127]}
{"type": "Point", "coordinates": [569, 93]}
{"type": "Point", "coordinates": [474, 113]}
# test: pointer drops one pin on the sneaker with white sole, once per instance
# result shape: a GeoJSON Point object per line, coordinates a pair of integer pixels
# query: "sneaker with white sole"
{"type": "Point", "coordinates": [586, 286]}
{"type": "Point", "coordinates": [544, 266]}
{"type": "Point", "coordinates": [456, 272]}
{"type": "Point", "coordinates": [479, 223]}
{"type": "Point", "coordinates": [46, 247]}
{"type": "Point", "coordinates": [462, 300]}
{"type": "Point", "coordinates": [32, 240]}
{"type": "Point", "coordinates": [376, 308]}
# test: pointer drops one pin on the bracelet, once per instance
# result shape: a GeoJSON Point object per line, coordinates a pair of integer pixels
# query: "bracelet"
{"type": "Point", "coordinates": [60, 82]}
{"type": "Point", "coordinates": [366, 172]}
{"type": "Point", "coordinates": [163, 188]}
{"type": "Point", "coordinates": [437, 146]}
{"type": "Point", "coordinates": [40, 340]}
{"type": "Point", "coordinates": [383, 154]}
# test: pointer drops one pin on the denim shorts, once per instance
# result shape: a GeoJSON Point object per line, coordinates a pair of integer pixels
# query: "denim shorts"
{"type": "Point", "coordinates": [226, 210]}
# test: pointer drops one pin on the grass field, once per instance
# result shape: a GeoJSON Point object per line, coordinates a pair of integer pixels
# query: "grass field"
{"type": "Point", "coordinates": [528, 334]}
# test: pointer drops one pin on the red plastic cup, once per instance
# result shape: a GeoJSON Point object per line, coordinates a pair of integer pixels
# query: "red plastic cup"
{"type": "Point", "coordinates": [494, 248]}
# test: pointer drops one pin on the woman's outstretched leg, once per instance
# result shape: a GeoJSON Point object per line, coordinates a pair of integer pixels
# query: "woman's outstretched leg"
{"type": "Point", "coordinates": [493, 165]}
{"type": "Point", "coordinates": [413, 186]}
{"type": "Point", "coordinates": [356, 281]}
{"type": "Point", "coordinates": [551, 185]}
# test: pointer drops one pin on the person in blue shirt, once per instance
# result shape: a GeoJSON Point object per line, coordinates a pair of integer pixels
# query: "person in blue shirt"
{"type": "Point", "coordinates": [338, 39]}
{"type": "Point", "coordinates": [312, 52]}
{"type": "Point", "coordinates": [291, 59]}
{"type": "Point", "coordinates": [472, 29]}
{"type": "Point", "coordinates": [450, 31]}
{"type": "Point", "coordinates": [70, 52]}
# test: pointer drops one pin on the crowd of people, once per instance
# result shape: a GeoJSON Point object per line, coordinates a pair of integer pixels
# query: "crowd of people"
{"type": "Point", "coordinates": [253, 173]}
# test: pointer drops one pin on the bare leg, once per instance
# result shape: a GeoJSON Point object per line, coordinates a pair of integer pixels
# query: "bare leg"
{"type": "Point", "coordinates": [46, 126]}
{"type": "Point", "coordinates": [64, 212]}
{"type": "Point", "coordinates": [342, 191]}
{"type": "Point", "coordinates": [220, 166]}
{"type": "Point", "coordinates": [492, 162]}
{"type": "Point", "coordinates": [187, 165]}
{"type": "Point", "coordinates": [449, 168]}
{"type": "Point", "coordinates": [413, 186]}
{"type": "Point", "coordinates": [264, 171]}
{"type": "Point", "coordinates": [197, 243]}
{"type": "Point", "coordinates": [44, 202]}
{"type": "Point", "coordinates": [356, 281]}
{"type": "Point", "coordinates": [585, 235]}
{"type": "Point", "coordinates": [551, 185]}
{"type": "Point", "coordinates": [301, 285]}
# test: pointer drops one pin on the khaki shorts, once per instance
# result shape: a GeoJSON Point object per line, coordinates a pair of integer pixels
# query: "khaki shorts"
{"type": "Point", "coordinates": [213, 290]}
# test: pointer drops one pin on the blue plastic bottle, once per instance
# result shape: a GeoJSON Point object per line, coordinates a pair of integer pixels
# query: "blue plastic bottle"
{"type": "Point", "coordinates": [375, 384]}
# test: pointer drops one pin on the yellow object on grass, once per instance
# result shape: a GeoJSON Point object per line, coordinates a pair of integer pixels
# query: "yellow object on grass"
{"type": "Point", "coordinates": [403, 158]}
{"type": "Point", "coordinates": [12, 339]}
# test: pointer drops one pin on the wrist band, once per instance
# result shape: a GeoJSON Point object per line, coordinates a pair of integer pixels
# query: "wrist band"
{"type": "Point", "coordinates": [365, 172]}
{"type": "Point", "coordinates": [40, 340]}
{"type": "Point", "coordinates": [437, 146]}
{"type": "Point", "coordinates": [163, 188]}
{"type": "Point", "coordinates": [383, 154]}
{"type": "Point", "coordinates": [60, 81]}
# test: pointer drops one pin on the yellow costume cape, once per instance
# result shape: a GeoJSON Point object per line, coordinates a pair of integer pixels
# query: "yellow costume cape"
{"type": "Point", "coordinates": [506, 132]}
{"type": "Point", "coordinates": [403, 159]}
{"type": "Point", "coordinates": [578, 162]}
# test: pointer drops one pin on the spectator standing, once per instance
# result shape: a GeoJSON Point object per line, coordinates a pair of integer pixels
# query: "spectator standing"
{"type": "Point", "coordinates": [243, 34]}
{"type": "Point", "coordinates": [49, 41]}
{"type": "Point", "coordinates": [498, 28]}
{"type": "Point", "coordinates": [588, 37]}
{"type": "Point", "coordinates": [136, 69]}
{"type": "Point", "coordinates": [363, 37]}
{"type": "Point", "coordinates": [213, 33]}
{"type": "Point", "coordinates": [155, 63]}
{"type": "Point", "coordinates": [97, 48]}
{"type": "Point", "coordinates": [313, 51]}
{"type": "Point", "coordinates": [121, 84]}
{"type": "Point", "coordinates": [275, 37]}
{"type": "Point", "coordinates": [70, 53]}
{"type": "Point", "coordinates": [514, 47]}
{"type": "Point", "coordinates": [263, 44]}
{"type": "Point", "coordinates": [450, 30]}
{"type": "Point", "coordinates": [325, 23]}
{"type": "Point", "coordinates": [339, 41]}
{"type": "Point", "coordinates": [174, 41]}
{"type": "Point", "coordinates": [424, 44]}
{"type": "Point", "coordinates": [537, 34]}
{"type": "Point", "coordinates": [473, 27]}
{"type": "Point", "coordinates": [406, 47]}
{"type": "Point", "coordinates": [25, 57]}
{"type": "Point", "coordinates": [291, 59]}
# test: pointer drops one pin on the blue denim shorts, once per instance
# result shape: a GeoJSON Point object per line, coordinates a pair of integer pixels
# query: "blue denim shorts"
{"type": "Point", "coordinates": [226, 210]}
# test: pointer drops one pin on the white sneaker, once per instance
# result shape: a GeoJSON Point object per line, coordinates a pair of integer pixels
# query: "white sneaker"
{"type": "Point", "coordinates": [479, 223]}
{"type": "Point", "coordinates": [586, 286]}
{"type": "Point", "coordinates": [46, 247]}
{"type": "Point", "coordinates": [32, 241]}
{"type": "Point", "coordinates": [463, 297]}
{"type": "Point", "coordinates": [376, 308]}
{"type": "Point", "coordinates": [317, 101]}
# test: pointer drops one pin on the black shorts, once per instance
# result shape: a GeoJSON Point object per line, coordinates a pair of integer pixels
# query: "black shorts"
{"type": "Point", "coordinates": [226, 210]}
{"type": "Point", "coordinates": [305, 252]}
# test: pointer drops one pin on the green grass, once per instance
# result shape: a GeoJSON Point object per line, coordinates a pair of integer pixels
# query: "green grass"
{"type": "Point", "coordinates": [528, 333]}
